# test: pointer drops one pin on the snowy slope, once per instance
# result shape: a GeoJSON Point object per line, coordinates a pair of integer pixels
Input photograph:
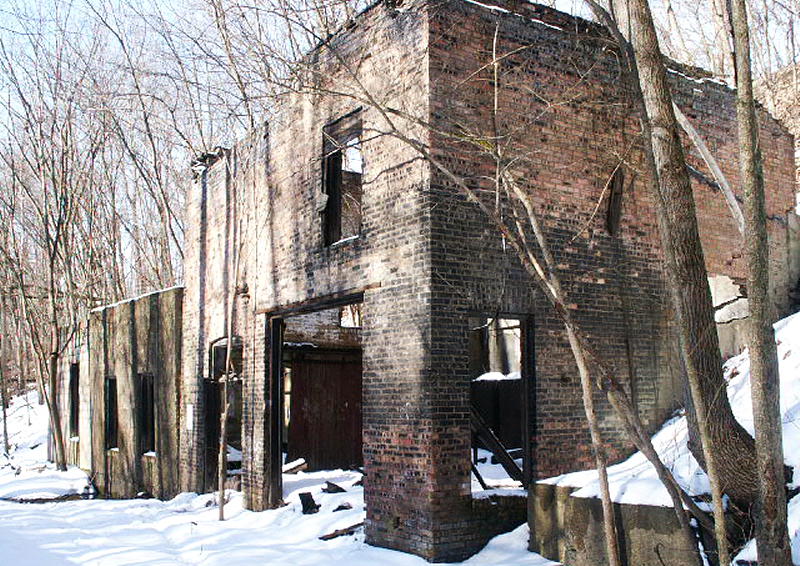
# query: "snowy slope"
{"type": "Point", "coordinates": [635, 480]}
{"type": "Point", "coordinates": [185, 530]}
{"type": "Point", "coordinates": [25, 472]}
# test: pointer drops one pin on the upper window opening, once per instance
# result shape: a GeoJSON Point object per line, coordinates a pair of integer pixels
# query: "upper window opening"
{"type": "Point", "coordinates": [614, 213]}
{"type": "Point", "coordinates": [350, 316]}
{"type": "Point", "coordinates": [343, 167]}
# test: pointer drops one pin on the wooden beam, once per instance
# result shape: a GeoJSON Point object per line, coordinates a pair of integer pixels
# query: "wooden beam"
{"type": "Point", "coordinates": [494, 445]}
{"type": "Point", "coordinates": [341, 298]}
{"type": "Point", "coordinates": [274, 463]}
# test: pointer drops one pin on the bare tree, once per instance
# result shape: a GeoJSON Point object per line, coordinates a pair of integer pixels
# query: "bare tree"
{"type": "Point", "coordinates": [772, 536]}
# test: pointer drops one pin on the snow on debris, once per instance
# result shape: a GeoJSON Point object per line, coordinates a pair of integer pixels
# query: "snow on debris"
{"type": "Point", "coordinates": [498, 376]}
{"type": "Point", "coordinates": [185, 530]}
{"type": "Point", "coordinates": [634, 480]}
{"type": "Point", "coordinates": [496, 478]}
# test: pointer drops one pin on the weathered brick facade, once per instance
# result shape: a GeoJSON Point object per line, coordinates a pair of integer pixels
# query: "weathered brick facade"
{"type": "Point", "coordinates": [426, 260]}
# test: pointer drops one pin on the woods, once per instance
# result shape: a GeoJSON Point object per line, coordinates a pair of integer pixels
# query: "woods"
{"type": "Point", "coordinates": [105, 105]}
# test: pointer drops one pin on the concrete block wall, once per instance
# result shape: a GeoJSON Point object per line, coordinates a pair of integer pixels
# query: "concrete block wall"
{"type": "Point", "coordinates": [124, 340]}
{"type": "Point", "coordinates": [570, 530]}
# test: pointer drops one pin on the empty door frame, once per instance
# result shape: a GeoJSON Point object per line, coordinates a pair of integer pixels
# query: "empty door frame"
{"type": "Point", "coordinates": [528, 408]}
{"type": "Point", "coordinates": [274, 379]}
{"type": "Point", "coordinates": [529, 400]}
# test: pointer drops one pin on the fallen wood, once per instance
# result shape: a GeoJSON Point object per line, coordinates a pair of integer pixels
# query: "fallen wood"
{"type": "Point", "coordinates": [494, 445]}
{"type": "Point", "coordinates": [39, 500]}
{"type": "Point", "coordinates": [347, 531]}
{"type": "Point", "coordinates": [331, 487]}
{"type": "Point", "coordinates": [479, 477]}
{"type": "Point", "coordinates": [295, 466]}
{"type": "Point", "coordinates": [309, 505]}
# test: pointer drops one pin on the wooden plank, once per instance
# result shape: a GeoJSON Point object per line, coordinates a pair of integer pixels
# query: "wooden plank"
{"type": "Point", "coordinates": [479, 477]}
{"type": "Point", "coordinates": [494, 445]}
{"type": "Point", "coordinates": [309, 505]}
{"type": "Point", "coordinates": [347, 531]}
{"type": "Point", "coordinates": [296, 466]}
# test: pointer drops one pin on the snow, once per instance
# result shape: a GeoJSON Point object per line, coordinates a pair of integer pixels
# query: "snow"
{"type": "Point", "coordinates": [134, 299]}
{"type": "Point", "coordinates": [496, 478]}
{"type": "Point", "coordinates": [498, 9]}
{"type": "Point", "coordinates": [25, 472]}
{"type": "Point", "coordinates": [634, 481]}
{"type": "Point", "coordinates": [185, 530]}
{"type": "Point", "coordinates": [497, 376]}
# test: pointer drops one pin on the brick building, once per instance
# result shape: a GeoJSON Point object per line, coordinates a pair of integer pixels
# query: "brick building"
{"type": "Point", "coordinates": [357, 277]}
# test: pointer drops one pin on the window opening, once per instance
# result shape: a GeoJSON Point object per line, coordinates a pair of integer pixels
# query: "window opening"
{"type": "Point", "coordinates": [343, 169]}
{"type": "Point", "coordinates": [614, 213]}
{"type": "Point", "coordinates": [74, 394]}
{"type": "Point", "coordinates": [495, 348]}
{"type": "Point", "coordinates": [496, 392]}
{"type": "Point", "coordinates": [112, 423]}
{"type": "Point", "coordinates": [147, 412]}
{"type": "Point", "coordinates": [350, 316]}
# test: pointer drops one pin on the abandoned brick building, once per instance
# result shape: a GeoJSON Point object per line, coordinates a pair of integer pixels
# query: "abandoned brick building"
{"type": "Point", "coordinates": [365, 292]}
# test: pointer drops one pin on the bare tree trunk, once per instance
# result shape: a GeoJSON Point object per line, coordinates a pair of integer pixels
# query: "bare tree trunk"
{"type": "Point", "coordinates": [600, 456]}
{"type": "Point", "coordinates": [52, 373]}
{"type": "Point", "coordinates": [234, 234]}
{"type": "Point", "coordinates": [772, 536]}
{"type": "Point", "coordinates": [727, 449]}
{"type": "Point", "coordinates": [222, 460]}
{"type": "Point", "coordinates": [3, 390]}
{"type": "Point", "coordinates": [721, 58]}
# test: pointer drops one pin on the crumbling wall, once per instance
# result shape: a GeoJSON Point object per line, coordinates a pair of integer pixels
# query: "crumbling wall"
{"type": "Point", "coordinates": [567, 122]}
{"type": "Point", "coordinates": [272, 184]}
{"type": "Point", "coordinates": [126, 340]}
{"type": "Point", "coordinates": [570, 531]}
{"type": "Point", "coordinates": [426, 260]}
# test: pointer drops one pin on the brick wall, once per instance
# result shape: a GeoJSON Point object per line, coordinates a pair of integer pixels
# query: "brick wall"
{"type": "Point", "coordinates": [566, 122]}
{"type": "Point", "coordinates": [269, 185]}
{"type": "Point", "coordinates": [426, 260]}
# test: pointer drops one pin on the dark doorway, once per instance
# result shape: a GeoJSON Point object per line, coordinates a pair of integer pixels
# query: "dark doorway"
{"type": "Point", "coordinates": [214, 395]}
{"type": "Point", "coordinates": [321, 384]}
{"type": "Point", "coordinates": [496, 369]}
{"type": "Point", "coordinates": [323, 390]}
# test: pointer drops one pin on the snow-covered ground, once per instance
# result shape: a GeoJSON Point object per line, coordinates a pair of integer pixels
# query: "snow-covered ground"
{"type": "Point", "coordinates": [185, 530]}
{"type": "Point", "coordinates": [635, 480]}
